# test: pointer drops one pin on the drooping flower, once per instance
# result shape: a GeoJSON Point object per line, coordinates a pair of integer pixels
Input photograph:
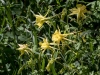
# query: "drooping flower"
{"type": "Point", "coordinates": [80, 11]}
{"type": "Point", "coordinates": [63, 13]}
{"type": "Point", "coordinates": [51, 61]}
{"type": "Point", "coordinates": [40, 20]}
{"type": "Point", "coordinates": [57, 37]}
{"type": "Point", "coordinates": [23, 48]}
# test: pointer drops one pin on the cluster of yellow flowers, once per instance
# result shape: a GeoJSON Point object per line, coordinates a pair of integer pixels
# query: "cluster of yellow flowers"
{"type": "Point", "coordinates": [57, 36]}
{"type": "Point", "coordinates": [79, 11]}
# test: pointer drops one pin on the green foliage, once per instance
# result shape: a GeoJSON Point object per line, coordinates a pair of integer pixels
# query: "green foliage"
{"type": "Point", "coordinates": [62, 45]}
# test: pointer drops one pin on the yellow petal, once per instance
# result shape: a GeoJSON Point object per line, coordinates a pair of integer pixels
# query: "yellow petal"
{"type": "Point", "coordinates": [40, 43]}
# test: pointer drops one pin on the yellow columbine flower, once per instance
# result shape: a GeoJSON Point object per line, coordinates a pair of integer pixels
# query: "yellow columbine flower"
{"type": "Point", "coordinates": [23, 48]}
{"type": "Point", "coordinates": [40, 20]}
{"type": "Point", "coordinates": [46, 45]}
{"type": "Point", "coordinates": [79, 11]}
{"type": "Point", "coordinates": [57, 37]}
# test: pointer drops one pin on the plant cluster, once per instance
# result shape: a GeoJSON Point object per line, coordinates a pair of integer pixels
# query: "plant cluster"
{"type": "Point", "coordinates": [49, 37]}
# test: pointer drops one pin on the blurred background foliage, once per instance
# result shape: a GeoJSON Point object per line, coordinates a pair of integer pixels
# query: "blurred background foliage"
{"type": "Point", "coordinates": [17, 27]}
